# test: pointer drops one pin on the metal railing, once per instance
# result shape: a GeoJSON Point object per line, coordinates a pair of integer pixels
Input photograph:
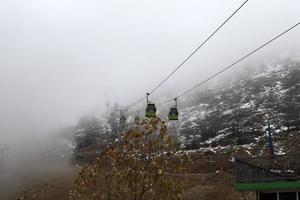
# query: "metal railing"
{"type": "Point", "coordinates": [268, 169]}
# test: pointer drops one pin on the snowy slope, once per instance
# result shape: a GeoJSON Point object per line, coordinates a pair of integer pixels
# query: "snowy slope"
{"type": "Point", "coordinates": [237, 114]}
{"type": "Point", "coordinates": [232, 116]}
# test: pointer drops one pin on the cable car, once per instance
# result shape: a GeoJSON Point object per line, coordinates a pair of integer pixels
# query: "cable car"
{"type": "Point", "coordinates": [150, 109]}
{"type": "Point", "coordinates": [137, 119]}
{"type": "Point", "coordinates": [122, 119]}
{"type": "Point", "coordinates": [173, 114]}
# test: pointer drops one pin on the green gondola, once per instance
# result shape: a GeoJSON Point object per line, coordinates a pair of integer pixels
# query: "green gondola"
{"type": "Point", "coordinates": [122, 119]}
{"type": "Point", "coordinates": [173, 114]}
{"type": "Point", "coordinates": [137, 120]}
{"type": "Point", "coordinates": [150, 111]}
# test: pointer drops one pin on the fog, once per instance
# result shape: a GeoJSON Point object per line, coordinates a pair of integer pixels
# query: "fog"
{"type": "Point", "coordinates": [62, 59]}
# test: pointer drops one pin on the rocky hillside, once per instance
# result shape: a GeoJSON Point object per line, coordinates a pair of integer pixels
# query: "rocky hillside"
{"type": "Point", "coordinates": [231, 116]}
{"type": "Point", "coordinates": [237, 113]}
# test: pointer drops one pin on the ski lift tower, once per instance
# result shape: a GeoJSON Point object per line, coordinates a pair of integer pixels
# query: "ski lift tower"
{"type": "Point", "coordinates": [122, 122]}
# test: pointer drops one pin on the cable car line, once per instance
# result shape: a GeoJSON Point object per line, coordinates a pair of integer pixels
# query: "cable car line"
{"type": "Point", "coordinates": [202, 44]}
{"type": "Point", "coordinates": [236, 62]}
{"type": "Point", "coordinates": [190, 55]}
{"type": "Point", "coordinates": [140, 100]}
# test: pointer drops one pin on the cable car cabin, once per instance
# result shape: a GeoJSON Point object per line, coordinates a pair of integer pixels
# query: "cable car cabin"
{"type": "Point", "coordinates": [173, 114]}
{"type": "Point", "coordinates": [150, 110]}
{"type": "Point", "coordinates": [137, 119]}
{"type": "Point", "coordinates": [269, 178]}
{"type": "Point", "coordinates": [122, 119]}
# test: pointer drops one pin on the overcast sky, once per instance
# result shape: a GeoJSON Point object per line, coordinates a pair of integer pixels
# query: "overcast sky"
{"type": "Point", "coordinates": [60, 59]}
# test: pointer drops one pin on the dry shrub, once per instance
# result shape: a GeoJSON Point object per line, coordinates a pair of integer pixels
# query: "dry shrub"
{"type": "Point", "coordinates": [37, 193]}
{"type": "Point", "coordinates": [137, 168]}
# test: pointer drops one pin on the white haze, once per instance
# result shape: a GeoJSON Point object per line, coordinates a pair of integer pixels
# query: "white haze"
{"type": "Point", "coordinates": [62, 59]}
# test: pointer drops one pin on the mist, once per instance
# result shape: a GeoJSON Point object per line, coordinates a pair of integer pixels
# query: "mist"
{"type": "Point", "coordinates": [62, 59]}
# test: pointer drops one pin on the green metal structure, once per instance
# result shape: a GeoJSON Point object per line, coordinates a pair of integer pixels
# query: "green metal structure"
{"type": "Point", "coordinates": [268, 186]}
{"type": "Point", "coordinates": [150, 111]}
{"type": "Point", "coordinates": [272, 178]}
{"type": "Point", "coordinates": [173, 114]}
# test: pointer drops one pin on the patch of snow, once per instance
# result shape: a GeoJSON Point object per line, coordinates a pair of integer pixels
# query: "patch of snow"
{"type": "Point", "coordinates": [248, 104]}
{"type": "Point", "coordinates": [80, 130]}
{"type": "Point", "coordinates": [277, 131]}
{"type": "Point", "coordinates": [71, 146]}
{"type": "Point", "coordinates": [248, 146]}
{"type": "Point", "coordinates": [227, 112]}
{"type": "Point", "coordinates": [263, 74]}
{"type": "Point", "coordinates": [248, 152]}
{"type": "Point", "coordinates": [217, 138]}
